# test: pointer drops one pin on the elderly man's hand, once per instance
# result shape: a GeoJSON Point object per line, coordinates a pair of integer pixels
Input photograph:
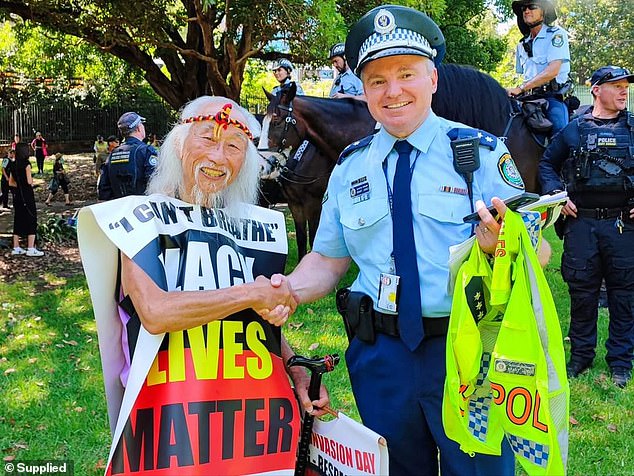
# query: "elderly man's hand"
{"type": "Point", "coordinates": [301, 381]}
{"type": "Point", "coordinates": [278, 301]}
{"type": "Point", "coordinates": [488, 229]}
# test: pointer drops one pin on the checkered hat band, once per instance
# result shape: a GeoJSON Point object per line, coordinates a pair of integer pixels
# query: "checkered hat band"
{"type": "Point", "coordinates": [399, 38]}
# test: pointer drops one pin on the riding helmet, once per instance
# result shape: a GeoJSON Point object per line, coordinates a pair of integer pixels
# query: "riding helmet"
{"type": "Point", "coordinates": [548, 6]}
{"type": "Point", "coordinates": [283, 63]}
{"type": "Point", "coordinates": [338, 49]}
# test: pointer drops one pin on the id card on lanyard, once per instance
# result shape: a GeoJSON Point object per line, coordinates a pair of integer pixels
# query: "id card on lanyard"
{"type": "Point", "coordinates": [389, 282]}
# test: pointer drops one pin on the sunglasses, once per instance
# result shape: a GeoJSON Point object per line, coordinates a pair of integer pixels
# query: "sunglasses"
{"type": "Point", "coordinates": [532, 6]}
{"type": "Point", "coordinates": [612, 74]}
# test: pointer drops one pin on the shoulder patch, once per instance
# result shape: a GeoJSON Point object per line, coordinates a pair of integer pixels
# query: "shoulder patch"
{"type": "Point", "coordinates": [153, 160]}
{"type": "Point", "coordinates": [509, 173]}
{"type": "Point", "coordinates": [361, 143]}
{"type": "Point", "coordinates": [486, 139]}
{"type": "Point", "coordinates": [558, 40]}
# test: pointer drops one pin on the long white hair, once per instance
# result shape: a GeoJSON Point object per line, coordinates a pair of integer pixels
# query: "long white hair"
{"type": "Point", "coordinates": [168, 176]}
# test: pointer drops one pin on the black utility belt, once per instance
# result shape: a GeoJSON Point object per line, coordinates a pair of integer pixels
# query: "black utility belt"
{"type": "Point", "coordinates": [363, 321]}
{"type": "Point", "coordinates": [604, 213]}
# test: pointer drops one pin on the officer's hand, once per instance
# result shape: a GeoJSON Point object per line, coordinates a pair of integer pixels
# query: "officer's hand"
{"type": "Point", "coordinates": [570, 209]}
{"type": "Point", "coordinates": [513, 91]}
{"type": "Point", "coordinates": [276, 299]}
{"type": "Point", "coordinates": [488, 229]}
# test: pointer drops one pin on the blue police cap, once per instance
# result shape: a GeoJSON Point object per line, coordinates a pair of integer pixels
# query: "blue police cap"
{"type": "Point", "coordinates": [608, 74]}
{"type": "Point", "coordinates": [391, 30]}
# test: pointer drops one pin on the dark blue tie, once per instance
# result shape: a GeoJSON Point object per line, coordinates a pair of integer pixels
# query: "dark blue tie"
{"type": "Point", "coordinates": [410, 320]}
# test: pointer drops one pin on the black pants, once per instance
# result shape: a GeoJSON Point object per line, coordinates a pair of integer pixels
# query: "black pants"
{"type": "Point", "coordinates": [595, 250]}
{"type": "Point", "coordinates": [39, 158]}
{"type": "Point", "coordinates": [4, 192]}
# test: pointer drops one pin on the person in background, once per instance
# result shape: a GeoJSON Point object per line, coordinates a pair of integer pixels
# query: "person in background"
{"type": "Point", "coordinates": [16, 140]}
{"type": "Point", "coordinates": [592, 159]}
{"type": "Point", "coordinates": [130, 165]}
{"type": "Point", "coordinates": [24, 211]}
{"type": "Point", "coordinates": [346, 84]}
{"type": "Point", "coordinates": [394, 205]}
{"type": "Point", "coordinates": [4, 180]}
{"type": "Point", "coordinates": [113, 143]}
{"type": "Point", "coordinates": [40, 150]}
{"type": "Point", "coordinates": [60, 179]}
{"type": "Point", "coordinates": [282, 70]}
{"type": "Point", "coordinates": [543, 58]}
{"type": "Point", "coordinates": [100, 147]}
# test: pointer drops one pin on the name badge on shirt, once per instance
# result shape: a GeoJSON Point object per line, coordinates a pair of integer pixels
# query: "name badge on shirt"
{"type": "Point", "coordinates": [360, 190]}
{"type": "Point", "coordinates": [388, 290]}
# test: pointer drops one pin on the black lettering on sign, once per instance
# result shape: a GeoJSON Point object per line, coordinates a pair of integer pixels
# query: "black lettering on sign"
{"type": "Point", "coordinates": [173, 422]}
{"type": "Point", "coordinates": [252, 426]}
{"type": "Point", "coordinates": [141, 438]}
{"type": "Point", "coordinates": [204, 411]}
{"type": "Point", "coordinates": [281, 432]}
{"type": "Point", "coordinates": [228, 409]}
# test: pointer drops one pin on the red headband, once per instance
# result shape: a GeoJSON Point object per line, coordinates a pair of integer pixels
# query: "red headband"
{"type": "Point", "coordinates": [222, 119]}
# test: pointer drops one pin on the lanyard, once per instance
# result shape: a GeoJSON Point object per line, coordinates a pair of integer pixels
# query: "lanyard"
{"type": "Point", "coordinates": [390, 197]}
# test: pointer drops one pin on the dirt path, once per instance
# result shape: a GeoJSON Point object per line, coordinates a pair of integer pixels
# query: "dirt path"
{"type": "Point", "coordinates": [62, 259]}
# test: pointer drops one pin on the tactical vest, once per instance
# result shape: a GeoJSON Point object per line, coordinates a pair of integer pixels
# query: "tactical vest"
{"type": "Point", "coordinates": [125, 178]}
{"type": "Point", "coordinates": [603, 162]}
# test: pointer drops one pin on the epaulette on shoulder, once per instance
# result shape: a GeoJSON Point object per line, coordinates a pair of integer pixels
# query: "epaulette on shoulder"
{"type": "Point", "coordinates": [630, 119]}
{"type": "Point", "coordinates": [486, 139]}
{"type": "Point", "coordinates": [354, 146]}
{"type": "Point", "coordinates": [552, 28]}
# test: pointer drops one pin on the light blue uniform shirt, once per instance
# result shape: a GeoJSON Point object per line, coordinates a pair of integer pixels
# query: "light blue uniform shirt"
{"type": "Point", "coordinates": [347, 83]}
{"type": "Point", "coordinates": [550, 44]}
{"type": "Point", "coordinates": [359, 225]}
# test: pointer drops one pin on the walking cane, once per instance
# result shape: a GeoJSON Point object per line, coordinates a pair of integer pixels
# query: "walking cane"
{"type": "Point", "coordinates": [318, 367]}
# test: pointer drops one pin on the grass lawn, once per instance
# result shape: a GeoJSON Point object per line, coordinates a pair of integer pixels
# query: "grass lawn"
{"type": "Point", "coordinates": [52, 403]}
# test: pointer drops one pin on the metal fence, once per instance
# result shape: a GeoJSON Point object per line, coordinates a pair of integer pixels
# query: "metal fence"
{"type": "Point", "coordinates": [68, 122]}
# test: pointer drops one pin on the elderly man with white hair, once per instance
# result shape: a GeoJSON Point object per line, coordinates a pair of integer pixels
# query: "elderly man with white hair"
{"type": "Point", "coordinates": [195, 377]}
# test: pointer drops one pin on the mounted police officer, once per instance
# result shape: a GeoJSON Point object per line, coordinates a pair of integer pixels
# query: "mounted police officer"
{"type": "Point", "coordinates": [593, 159]}
{"type": "Point", "coordinates": [129, 165]}
{"type": "Point", "coordinates": [282, 70]}
{"type": "Point", "coordinates": [543, 58]}
{"type": "Point", "coordinates": [346, 84]}
{"type": "Point", "coordinates": [395, 204]}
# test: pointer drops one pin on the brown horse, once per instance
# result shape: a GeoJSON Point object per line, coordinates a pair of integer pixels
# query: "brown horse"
{"type": "Point", "coordinates": [464, 95]}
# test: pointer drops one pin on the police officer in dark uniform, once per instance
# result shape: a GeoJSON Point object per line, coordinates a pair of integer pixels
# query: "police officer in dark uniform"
{"type": "Point", "coordinates": [593, 159]}
{"type": "Point", "coordinates": [129, 165]}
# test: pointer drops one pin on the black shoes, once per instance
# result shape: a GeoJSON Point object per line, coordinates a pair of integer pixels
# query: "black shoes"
{"type": "Point", "coordinates": [621, 376]}
{"type": "Point", "coordinates": [574, 368]}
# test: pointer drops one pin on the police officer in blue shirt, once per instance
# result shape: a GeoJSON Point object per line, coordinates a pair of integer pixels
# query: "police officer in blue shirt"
{"type": "Point", "coordinates": [282, 70]}
{"type": "Point", "coordinates": [593, 159]}
{"type": "Point", "coordinates": [346, 84]}
{"type": "Point", "coordinates": [543, 58]}
{"type": "Point", "coordinates": [394, 205]}
{"type": "Point", "coordinates": [130, 165]}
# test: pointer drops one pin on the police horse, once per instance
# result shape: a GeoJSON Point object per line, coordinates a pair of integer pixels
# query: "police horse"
{"type": "Point", "coordinates": [464, 95]}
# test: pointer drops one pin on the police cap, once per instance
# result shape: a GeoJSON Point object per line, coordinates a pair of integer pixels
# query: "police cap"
{"type": "Point", "coordinates": [128, 122]}
{"type": "Point", "coordinates": [608, 74]}
{"type": "Point", "coordinates": [391, 30]}
{"type": "Point", "coordinates": [338, 49]}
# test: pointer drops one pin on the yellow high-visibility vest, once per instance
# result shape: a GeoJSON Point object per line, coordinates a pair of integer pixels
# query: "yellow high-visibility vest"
{"type": "Point", "coordinates": [506, 372]}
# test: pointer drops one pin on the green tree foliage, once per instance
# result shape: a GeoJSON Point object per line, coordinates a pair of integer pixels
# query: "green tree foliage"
{"type": "Point", "coordinates": [601, 33]}
{"type": "Point", "coordinates": [187, 48]}
{"type": "Point", "coordinates": [203, 45]}
{"type": "Point", "coordinates": [39, 64]}
{"type": "Point", "coordinates": [468, 26]}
